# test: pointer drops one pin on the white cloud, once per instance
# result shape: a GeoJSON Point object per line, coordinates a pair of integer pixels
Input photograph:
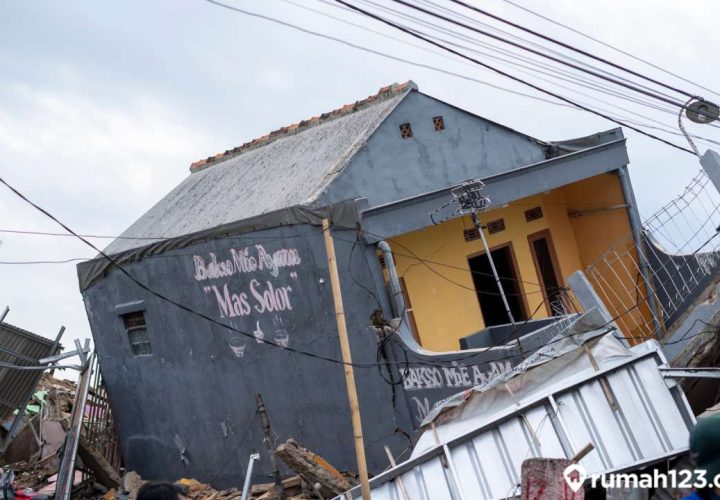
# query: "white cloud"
{"type": "Point", "coordinates": [97, 165]}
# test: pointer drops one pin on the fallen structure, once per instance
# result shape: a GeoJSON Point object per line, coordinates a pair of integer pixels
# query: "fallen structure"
{"type": "Point", "coordinates": [233, 260]}
{"type": "Point", "coordinates": [584, 387]}
{"type": "Point", "coordinates": [230, 294]}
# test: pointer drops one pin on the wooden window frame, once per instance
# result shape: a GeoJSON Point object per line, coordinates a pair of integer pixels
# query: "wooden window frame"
{"type": "Point", "coordinates": [532, 238]}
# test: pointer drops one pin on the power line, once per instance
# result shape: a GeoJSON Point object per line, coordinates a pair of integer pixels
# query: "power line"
{"type": "Point", "coordinates": [605, 44]}
{"type": "Point", "coordinates": [526, 42]}
{"type": "Point", "coordinates": [538, 67]}
{"type": "Point", "coordinates": [168, 299]}
{"type": "Point", "coordinates": [593, 72]}
{"type": "Point", "coordinates": [491, 47]}
{"type": "Point", "coordinates": [575, 80]}
{"type": "Point", "coordinates": [171, 301]}
{"type": "Point", "coordinates": [249, 335]}
{"type": "Point", "coordinates": [515, 78]}
{"type": "Point", "coordinates": [146, 238]}
{"type": "Point", "coordinates": [565, 103]}
{"type": "Point", "coordinates": [569, 47]}
{"type": "Point", "coordinates": [381, 54]}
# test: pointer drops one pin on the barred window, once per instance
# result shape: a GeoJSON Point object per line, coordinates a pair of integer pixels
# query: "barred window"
{"type": "Point", "coordinates": [137, 333]}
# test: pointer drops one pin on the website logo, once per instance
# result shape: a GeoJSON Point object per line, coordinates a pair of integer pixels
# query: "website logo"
{"type": "Point", "coordinates": [575, 475]}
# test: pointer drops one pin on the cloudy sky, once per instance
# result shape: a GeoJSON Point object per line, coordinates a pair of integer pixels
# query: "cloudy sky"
{"type": "Point", "coordinates": [104, 105]}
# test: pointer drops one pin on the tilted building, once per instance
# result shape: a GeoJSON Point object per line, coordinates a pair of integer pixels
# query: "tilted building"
{"type": "Point", "coordinates": [240, 241]}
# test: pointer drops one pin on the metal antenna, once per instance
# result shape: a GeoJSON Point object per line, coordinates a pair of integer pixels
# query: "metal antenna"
{"type": "Point", "coordinates": [470, 200]}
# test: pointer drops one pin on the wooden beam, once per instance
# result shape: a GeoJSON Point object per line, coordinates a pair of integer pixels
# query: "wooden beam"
{"type": "Point", "coordinates": [347, 359]}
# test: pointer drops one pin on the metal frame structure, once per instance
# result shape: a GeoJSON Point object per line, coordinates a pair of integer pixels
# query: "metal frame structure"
{"type": "Point", "coordinates": [22, 381]}
{"type": "Point", "coordinates": [626, 409]}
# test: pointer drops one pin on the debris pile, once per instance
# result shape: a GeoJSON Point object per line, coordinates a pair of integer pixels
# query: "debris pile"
{"type": "Point", "coordinates": [34, 455]}
{"type": "Point", "coordinates": [294, 489]}
{"type": "Point", "coordinates": [315, 478]}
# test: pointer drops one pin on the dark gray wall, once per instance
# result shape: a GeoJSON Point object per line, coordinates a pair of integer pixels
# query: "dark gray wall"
{"type": "Point", "coordinates": [196, 394]}
{"type": "Point", "coordinates": [389, 168]}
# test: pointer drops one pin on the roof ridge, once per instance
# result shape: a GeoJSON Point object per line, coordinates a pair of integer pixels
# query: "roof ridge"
{"type": "Point", "coordinates": [382, 94]}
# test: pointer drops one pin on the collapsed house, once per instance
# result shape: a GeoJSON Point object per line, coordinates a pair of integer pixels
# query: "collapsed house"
{"type": "Point", "coordinates": [240, 241]}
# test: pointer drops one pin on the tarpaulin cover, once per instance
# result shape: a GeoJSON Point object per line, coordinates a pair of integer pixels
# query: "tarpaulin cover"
{"type": "Point", "coordinates": [343, 215]}
{"type": "Point", "coordinates": [561, 359]}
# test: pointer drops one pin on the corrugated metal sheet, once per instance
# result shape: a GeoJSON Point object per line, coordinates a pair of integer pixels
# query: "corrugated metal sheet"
{"type": "Point", "coordinates": [23, 348]}
{"type": "Point", "coordinates": [292, 170]}
{"type": "Point", "coordinates": [648, 422]}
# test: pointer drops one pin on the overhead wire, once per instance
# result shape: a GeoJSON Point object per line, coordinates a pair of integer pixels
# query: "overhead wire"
{"type": "Point", "coordinates": [570, 47]}
{"type": "Point", "coordinates": [514, 57]}
{"type": "Point", "coordinates": [199, 314]}
{"type": "Point", "coordinates": [607, 45]}
{"type": "Point", "coordinates": [593, 72]}
{"type": "Point", "coordinates": [153, 292]}
{"type": "Point", "coordinates": [671, 110]}
{"type": "Point", "coordinates": [167, 299]}
{"type": "Point", "coordinates": [502, 33]}
{"type": "Point", "coordinates": [381, 54]}
{"type": "Point", "coordinates": [450, 73]}
{"type": "Point", "coordinates": [533, 73]}
{"type": "Point", "coordinates": [517, 79]}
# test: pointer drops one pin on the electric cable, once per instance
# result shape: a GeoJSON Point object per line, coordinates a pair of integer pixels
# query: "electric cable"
{"type": "Point", "coordinates": [570, 47]}
{"type": "Point", "coordinates": [514, 78]}
{"type": "Point", "coordinates": [605, 44]}
{"type": "Point", "coordinates": [514, 55]}
{"type": "Point", "coordinates": [381, 54]}
{"type": "Point", "coordinates": [540, 68]}
{"type": "Point", "coordinates": [169, 300]}
{"type": "Point", "coordinates": [611, 79]}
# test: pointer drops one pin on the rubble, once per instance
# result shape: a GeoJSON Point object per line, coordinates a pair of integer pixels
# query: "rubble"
{"type": "Point", "coordinates": [36, 465]}
{"type": "Point", "coordinates": [294, 489]}
{"type": "Point", "coordinates": [313, 468]}
{"type": "Point", "coordinates": [34, 454]}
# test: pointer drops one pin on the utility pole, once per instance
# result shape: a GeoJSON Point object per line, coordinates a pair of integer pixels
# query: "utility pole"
{"type": "Point", "coordinates": [279, 491]}
{"type": "Point", "coordinates": [470, 200]}
{"type": "Point", "coordinates": [347, 360]}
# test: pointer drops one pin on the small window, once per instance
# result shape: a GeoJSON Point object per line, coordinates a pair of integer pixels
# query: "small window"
{"type": "Point", "coordinates": [439, 123]}
{"type": "Point", "coordinates": [471, 234]}
{"type": "Point", "coordinates": [495, 226]}
{"type": "Point", "coordinates": [136, 329]}
{"type": "Point", "coordinates": [533, 214]}
{"type": "Point", "coordinates": [405, 131]}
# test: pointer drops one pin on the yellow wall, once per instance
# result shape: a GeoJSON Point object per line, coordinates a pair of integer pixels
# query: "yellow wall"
{"type": "Point", "coordinates": [441, 290]}
{"type": "Point", "coordinates": [605, 240]}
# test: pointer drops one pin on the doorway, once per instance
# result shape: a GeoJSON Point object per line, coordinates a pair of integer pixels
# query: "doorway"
{"type": "Point", "coordinates": [547, 270]}
{"type": "Point", "coordinates": [491, 303]}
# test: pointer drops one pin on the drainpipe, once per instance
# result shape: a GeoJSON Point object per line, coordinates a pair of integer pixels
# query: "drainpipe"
{"type": "Point", "coordinates": [637, 231]}
{"type": "Point", "coordinates": [396, 295]}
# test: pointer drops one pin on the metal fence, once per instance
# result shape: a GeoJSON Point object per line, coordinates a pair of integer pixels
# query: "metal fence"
{"type": "Point", "coordinates": [647, 288]}
{"type": "Point", "coordinates": [99, 426]}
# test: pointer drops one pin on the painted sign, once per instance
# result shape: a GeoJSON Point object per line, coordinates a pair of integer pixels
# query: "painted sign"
{"type": "Point", "coordinates": [247, 282]}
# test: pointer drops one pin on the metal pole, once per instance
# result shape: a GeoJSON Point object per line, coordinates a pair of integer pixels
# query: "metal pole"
{"type": "Point", "coordinates": [248, 476]}
{"type": "Point", "coordinates": [398, 301]}
{"type": "Point", "coordinates": [478, 225]}
{"type": "Point", "coordinates": [347, 361]}
{"type": "Point", "coordinates": [66, 472]}
{"type": "Point", "coordinates": [269, 443]}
